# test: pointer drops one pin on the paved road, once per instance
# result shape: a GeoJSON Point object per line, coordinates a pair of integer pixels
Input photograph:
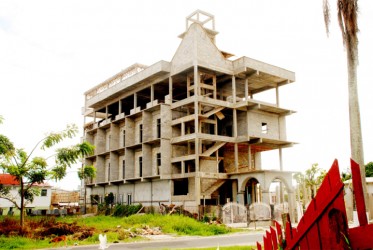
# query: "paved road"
{"type": "Point", "coordinates": [167, 242]}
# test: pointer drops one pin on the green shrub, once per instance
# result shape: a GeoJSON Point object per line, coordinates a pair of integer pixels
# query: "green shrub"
{"type": "Point", "coordinates": [126, 210]}
{"type": "Point", "coordinates": [205, 219]}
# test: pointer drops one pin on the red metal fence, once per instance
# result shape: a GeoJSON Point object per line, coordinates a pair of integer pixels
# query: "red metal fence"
{"type": "Point", "coordinates": [324, 224]}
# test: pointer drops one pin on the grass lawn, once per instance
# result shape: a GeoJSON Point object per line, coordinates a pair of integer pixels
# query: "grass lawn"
{"type": "Point", "coordinates": [117, 229]}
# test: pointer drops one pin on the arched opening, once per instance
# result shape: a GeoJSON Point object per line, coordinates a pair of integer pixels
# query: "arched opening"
{"type": "Point", "coordinates": [278, 199]}
{"type": "Point", "coordinates": [253, 191]}
{"type": "Point", "coordinates": [278, 192]}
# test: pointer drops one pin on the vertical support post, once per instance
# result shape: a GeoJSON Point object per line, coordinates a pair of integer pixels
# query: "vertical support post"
{"type": "Point", "coordinates": [246, 89]}
{"type": "Point", "coordinates": [182, 128]}
{"type": "Point", "coordinates": [134, 100]}
{"type": "Point", "coordinates": [249, 156]}
{"type": "Point", "coordinates": [236, 157]}
{"type": "Point", "coordinates": [188, 86]}
{"type": "Point", "coordinates": [214, 85]}
{"type": "Point", "coordinates": [277, 97]}
{"type": "Point", "coordinates": [152, 92]}
{"type": "Point", "coordinates": [170, 86]}
{"type": "Point", "coordinates": [234, 88]}
{"type": "Point", "coordinates": [280, 158]}
{"type": "Point", "coordinates": [183, 167]}
{"type": "Point", "coordinates": [196, 121]}
{"type": "Point", "coordinates": [234, 190]}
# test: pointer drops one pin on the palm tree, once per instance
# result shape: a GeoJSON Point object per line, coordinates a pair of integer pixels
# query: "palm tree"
{"type": "Point", "coordinates": [347, 20]}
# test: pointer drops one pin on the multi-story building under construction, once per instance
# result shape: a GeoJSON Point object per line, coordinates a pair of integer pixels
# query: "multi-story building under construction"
{"type": "Point", "coordinates": [188, 131]}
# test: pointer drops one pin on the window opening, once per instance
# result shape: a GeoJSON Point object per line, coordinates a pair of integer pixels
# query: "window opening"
{"type": "Point", "coordinates": [159, 162]}
{"type": "Point", "coordinates": [123, 169]}
{"type": "Point", "coordinates": [181, 187]}
{"type": "Point", "coordinates": [140, 166]}
{"type": "Point", "coordinates": [43, 192]}
{"type": "Point", "coordinates": [264, 128]}
{"type": "Point", "coordinates": [159, 128]}
{"type": "Point", "coordinates": [129, 199]}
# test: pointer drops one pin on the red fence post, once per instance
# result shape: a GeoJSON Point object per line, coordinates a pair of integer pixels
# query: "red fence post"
{"type": "Point", "coordinates": [359, 194]}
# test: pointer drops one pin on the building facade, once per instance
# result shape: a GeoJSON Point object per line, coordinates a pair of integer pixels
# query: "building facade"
{"type": "Point", "coordinates": [40, 202]}
{"type": "Point", "coordinates": [188, 131]}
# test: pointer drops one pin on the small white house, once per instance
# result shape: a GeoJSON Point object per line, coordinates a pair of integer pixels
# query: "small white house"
{"type": "Point", "coordinates": [41, 202]}
{"type": "Point", "coordinates": [349, 198]}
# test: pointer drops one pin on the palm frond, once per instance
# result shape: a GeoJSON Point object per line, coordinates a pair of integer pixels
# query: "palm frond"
{"type": "Point", "coordinates": [347, 20]}
{"type": "Point", "coordinates": [326, 11]}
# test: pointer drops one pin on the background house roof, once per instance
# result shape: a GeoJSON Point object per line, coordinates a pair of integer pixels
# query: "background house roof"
{"type": "Point", "coordinates": [7, 179]}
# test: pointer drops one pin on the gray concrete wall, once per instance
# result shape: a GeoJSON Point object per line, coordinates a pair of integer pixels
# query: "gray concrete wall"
{"type": "Point", "coordinates": [114, 167]}
{"type": "Point", "coordinates": [138, 122]}
{"type": "Point", "coordinates": [208, 165]}
{"type": "Point", "coordinates": [147, 158]}
{"type": "Point", "coordinates": [130, 128]}
{"type": "Point", "coordinates": [256, 118]}
{"type": "Point", "coordinates": [130, 163]}
{"type": "Point", "coordinates": [166, 157]}
{"type": "Point", "coordinates": [242, 123]}
{"type": "Point", "coordinates": [115, 137]}
{"type": "Point", "coordinates": [154, 167]}
{"type": "Point", "coordinates": [100, 167]}
{"type": "Point", "coordinates": [100, 141]}
{"type": "Point", "coordinates": [138, 154]}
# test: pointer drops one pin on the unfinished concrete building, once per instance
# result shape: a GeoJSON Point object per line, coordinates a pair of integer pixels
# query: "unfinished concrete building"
{"type": "Point", "coordinates": [189, 131]}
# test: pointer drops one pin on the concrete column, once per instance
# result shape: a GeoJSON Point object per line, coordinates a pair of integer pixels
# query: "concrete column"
{"type": "Point", "coordinates": [196, 122]}
{"type": "Point", "coordinates": [134, 100]}
{"type": "Point", "coordinates": [170, 86]}
{"type": "Point", "coordinates": [234, 88]}
{"type": "Point", "coordinates": [265, 196]}
{"type": "Point", "coordinates": [246, 89]}
{"type": "Point", "coordinates": [196, 81]}
{"type": "Point", "coordinates": [249, 155]}
{"type": "Point", "coordinates": [152, 92]}
{"type": "Point", "coordinates": [277, 97]}
{"type": "Point", "coordinates": [292, 207]}
{"type": "Point", "coordinates": [182, 128]}
{"type": "Point", "coordinates": [241, 198]}
{"type": "Point", "coordinates": [214, 84]}
{"type": "Point", "coordinates": [234, 190]}
{"type": "Point", "coordinates": [235, 132]}
{"type": "Point", "coordinates": [236, 156]}
{"type": "Point", "coordinates": [197, 190]}
{"type": "Point", "coordinates": [183, 167]}
{"type": "Point", "coordinates": [280, 158]}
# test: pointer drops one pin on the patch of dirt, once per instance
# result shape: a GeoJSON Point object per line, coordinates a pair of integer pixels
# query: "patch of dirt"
{"type": "Point", "coordinates": [46, 227]}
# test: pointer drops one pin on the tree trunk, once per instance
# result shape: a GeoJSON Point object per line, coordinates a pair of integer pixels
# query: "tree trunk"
{"type": "Point", "coordinates": [356, 140]}
{"type": "Point", "coordinates": [22, 215]}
